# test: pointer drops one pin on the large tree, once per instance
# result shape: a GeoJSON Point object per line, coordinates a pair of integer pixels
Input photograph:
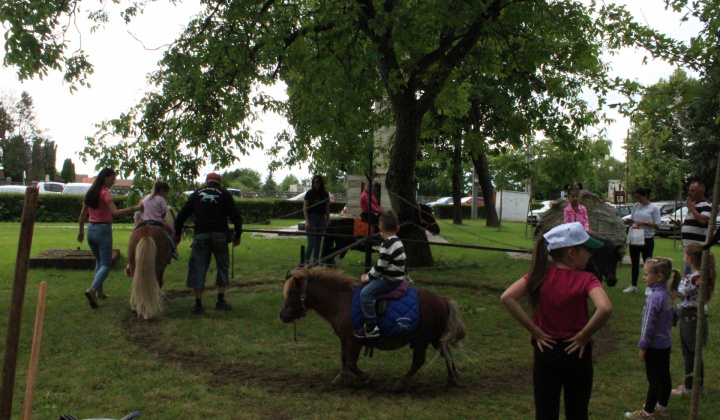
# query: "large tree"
{"type": "Point", "coordinates": [24, 149]}
{"type": "Point", "coordinates": [350, 68]}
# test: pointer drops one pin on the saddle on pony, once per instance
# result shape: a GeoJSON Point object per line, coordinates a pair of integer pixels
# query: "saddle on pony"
{"type": "Point", "coordinates": [156, 223]}
{"type": "Point", "coordinates": [398, 311]}
{"type": "Point", "coordinates": [360, 228]}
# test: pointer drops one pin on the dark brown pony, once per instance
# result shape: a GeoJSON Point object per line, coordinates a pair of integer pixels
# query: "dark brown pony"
{"type": "Point", "coordinates": [329, 292]}
{"type": "Point", "coordinates": [149, 253]}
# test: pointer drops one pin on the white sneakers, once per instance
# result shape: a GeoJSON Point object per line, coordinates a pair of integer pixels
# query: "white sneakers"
{"type": "Point", "coordinates": [630, 289]}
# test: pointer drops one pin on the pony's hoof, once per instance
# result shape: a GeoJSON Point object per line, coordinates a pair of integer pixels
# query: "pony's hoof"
{"type": "Point", "coordinates": [339, 380]}
{"type": "Point", "coordinates": [452, 383]}
{"type": "Point", "coordinates": [366, 378]}
{"type": "Point", "coordinates": [399, 387]}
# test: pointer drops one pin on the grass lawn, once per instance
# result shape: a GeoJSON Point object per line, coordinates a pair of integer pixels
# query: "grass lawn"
{"type": "Point", "coordinates": [245, 364]}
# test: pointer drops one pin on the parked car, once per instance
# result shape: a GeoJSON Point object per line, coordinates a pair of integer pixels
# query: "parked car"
{"type": "Point", "coordinates": [43, 188]}
{"type": "Point", "coordinates": [20, 189]}
{"type": "Point", "coordinates": [76, 188]}
{"type": "Point", "coordinates": [468, 201]}
{"type": "Point", "coordinates": [534, 216]}
{"type": "Point", "coordinates": [301, 196]}
{"type": "Point", "coordinates": [671, 224]}
{"type": "Point", "coordinates": [235, 192]}
{"type": "Point", "coordinates": [444, 200]}
{"type": "Point", "coordinates": [50, 187]}
{"type": "Point", "coordinates": [666, 208]}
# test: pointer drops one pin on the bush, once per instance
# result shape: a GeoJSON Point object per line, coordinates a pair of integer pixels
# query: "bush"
{"type": "Point", "coordinates": [61, 208]}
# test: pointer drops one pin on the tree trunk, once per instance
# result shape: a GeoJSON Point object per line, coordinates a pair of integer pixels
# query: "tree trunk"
{"type": "Point", "coordinates": [400, 180]}
{"type": "Point", "coordinates": [483, 173]}
{"type": "Point", "coordinates": [457, 184]}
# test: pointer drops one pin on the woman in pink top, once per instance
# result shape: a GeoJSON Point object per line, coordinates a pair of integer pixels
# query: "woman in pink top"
{"type": "Point", "coordinates": [576, 212]}
{"type": "Point", "coordinates": [370, 210]}
{"type": "Point", "coordinates": [558, 291]}
{"type": "Point", "coordinates": [100, 208]}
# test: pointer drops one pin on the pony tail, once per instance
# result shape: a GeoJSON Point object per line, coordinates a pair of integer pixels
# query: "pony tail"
{"type": "Point", "coordinates": [538, 271]}
{"type": "Point", "coordinates": [146, 297]}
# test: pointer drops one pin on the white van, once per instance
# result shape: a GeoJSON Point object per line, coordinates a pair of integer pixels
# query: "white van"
{"type": "Point", "coordinates": [19, 189]}
{"type": "Point", "coordinates": [77, 188]}
{"type": "Point", "coordinates": [50, 187]}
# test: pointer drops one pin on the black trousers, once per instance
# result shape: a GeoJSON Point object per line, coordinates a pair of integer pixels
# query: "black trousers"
{"type": "Point", "coordinates": [555, 371]}
{"type": "Point", "coordinates": [657, 369]}
{"type": "Point", "coordinates": [635, 251]}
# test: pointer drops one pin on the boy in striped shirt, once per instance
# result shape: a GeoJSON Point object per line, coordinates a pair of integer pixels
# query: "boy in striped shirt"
{"type": "Point", "coordinates": [386, 274]}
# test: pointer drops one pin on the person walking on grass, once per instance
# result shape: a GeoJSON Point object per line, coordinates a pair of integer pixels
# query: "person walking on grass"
{"type": "Point", "coordinates": [656, 338]}
{"type": "Point", "coordinates": [558, 291]}
{"type": "Point", "coordinates": [688, 290]}
{"type": "Point", "coordinates": [645, 216]}
{"type": "Point", "coordinates": [99, 208]}
{"type": "Point", "coordinates": [212, 206]}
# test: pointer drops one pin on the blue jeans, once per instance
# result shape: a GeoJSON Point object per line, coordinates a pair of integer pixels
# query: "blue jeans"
{"type": "Point", "coordinates": [318, 222]}
{"type": "Point", "coordinates": [205, 245]}
{"type": "Point", "coordinates": [368, 294]}
{"type": "Point", "coordinates": [99, 238]}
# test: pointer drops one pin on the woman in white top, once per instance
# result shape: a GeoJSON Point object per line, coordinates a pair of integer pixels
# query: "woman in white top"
{"type": "Point", "coordinates": [645, 216]}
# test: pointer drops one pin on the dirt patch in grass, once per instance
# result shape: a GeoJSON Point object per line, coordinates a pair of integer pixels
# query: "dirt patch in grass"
{"type": "Point", "coordinates": [150, 336]}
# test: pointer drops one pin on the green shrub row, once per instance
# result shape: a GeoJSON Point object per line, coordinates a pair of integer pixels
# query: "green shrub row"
{"type": "Point", "coordinates": [66, 208]}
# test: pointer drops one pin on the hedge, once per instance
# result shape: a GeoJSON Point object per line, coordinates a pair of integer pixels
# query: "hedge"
{"type": "Point", "coordinates": [66, 208]}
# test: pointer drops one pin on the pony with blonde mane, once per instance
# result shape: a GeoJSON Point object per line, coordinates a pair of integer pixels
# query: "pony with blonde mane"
{"type": "Point", "coordinates": [149, 253]}
{"type": "Point", "coordinates": [329, 293]}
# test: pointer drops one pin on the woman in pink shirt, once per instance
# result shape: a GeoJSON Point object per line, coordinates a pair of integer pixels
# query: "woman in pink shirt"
{"type": "Point", "coordinates": [576, 212]}
{"type": "Point", "coordinates": [100, 208]}
{"type": "Point", "coordinates": [370, 210]}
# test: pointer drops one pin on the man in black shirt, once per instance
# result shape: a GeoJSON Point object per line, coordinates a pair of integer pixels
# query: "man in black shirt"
{"type": "Point", "coordinates": [212, 206]}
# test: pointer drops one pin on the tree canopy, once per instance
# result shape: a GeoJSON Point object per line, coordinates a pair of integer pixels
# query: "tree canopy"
{"type": "Point", "coordinates": [351, 67]}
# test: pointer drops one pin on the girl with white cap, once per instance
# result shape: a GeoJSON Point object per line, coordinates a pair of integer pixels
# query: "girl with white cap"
{"type": "Point", "coordinates": [561, 328]}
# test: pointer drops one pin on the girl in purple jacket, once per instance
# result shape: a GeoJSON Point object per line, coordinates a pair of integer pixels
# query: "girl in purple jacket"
{"type": "Point", "coordinates": [656, 338]}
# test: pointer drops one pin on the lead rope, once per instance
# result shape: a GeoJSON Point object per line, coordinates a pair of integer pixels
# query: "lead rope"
{"type": "Point", "coordinates": [295, 330]}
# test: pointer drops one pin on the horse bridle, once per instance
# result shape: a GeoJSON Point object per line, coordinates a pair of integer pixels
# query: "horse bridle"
{"type": "Point", "coordinates": [422, 220]}
{"type": "Point", "coordinates": [303, 306]}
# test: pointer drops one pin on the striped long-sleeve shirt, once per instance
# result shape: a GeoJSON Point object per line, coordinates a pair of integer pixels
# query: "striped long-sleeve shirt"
{"type": "Point", "coordinates": [391, 263]}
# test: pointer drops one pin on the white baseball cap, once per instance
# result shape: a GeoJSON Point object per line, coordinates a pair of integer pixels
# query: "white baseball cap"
{"type": "Point", "coordinates": [570, 234]}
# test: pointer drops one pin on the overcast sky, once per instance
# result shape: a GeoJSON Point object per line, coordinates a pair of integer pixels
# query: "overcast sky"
{"type": "Point", "coordinates": [122, 63]}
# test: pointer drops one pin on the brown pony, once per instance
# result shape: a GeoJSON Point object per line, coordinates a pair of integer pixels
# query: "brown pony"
{"type": "Point", "coordinates": [329, 292]}
{"type": "Point", "coordinates": [149, 253]}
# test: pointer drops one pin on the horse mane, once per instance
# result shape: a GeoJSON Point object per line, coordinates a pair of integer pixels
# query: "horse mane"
{"type": "Point", "coordinates": [326, 278]}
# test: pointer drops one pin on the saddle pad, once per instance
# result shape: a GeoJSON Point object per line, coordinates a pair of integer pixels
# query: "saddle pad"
{"type": "Point", "coordinates": [401, 318]}
{"type": "Point", "coordinates": [360, 228]}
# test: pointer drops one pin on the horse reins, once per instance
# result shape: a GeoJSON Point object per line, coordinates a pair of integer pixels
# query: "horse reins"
{"type": "Point", "coordinates": [303, 298]}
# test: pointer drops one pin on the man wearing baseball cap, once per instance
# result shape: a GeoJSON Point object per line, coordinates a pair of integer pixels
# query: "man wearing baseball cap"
{"type": "Point", "coordinates": [212, 206]}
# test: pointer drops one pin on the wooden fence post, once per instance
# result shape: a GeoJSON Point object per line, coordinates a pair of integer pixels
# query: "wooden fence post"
{"type": "Point", "coordinates": [12, 340]}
